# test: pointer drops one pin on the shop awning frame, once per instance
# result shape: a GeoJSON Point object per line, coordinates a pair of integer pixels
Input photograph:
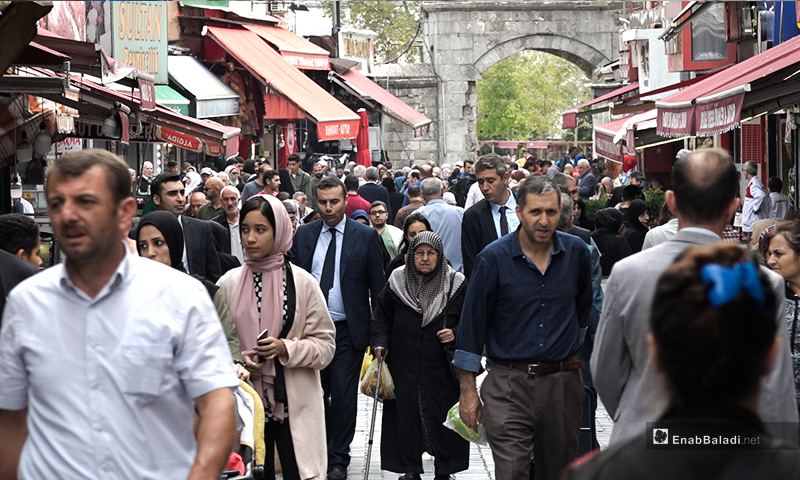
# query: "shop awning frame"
{"type": "Point", "coordinates": [212, 97]}
{"type": "Point", "coordinates": [382, 100]}
{"type": "Point", "coordinates": [569, 119]}
{"type": "Point", "coordinates": [714, 105]}
{"type": "Point", "coordinates": [624, 128]}
{"type": "Point", "coordinates": [299, 52]}
{"type": "Point", "coordinates": [334, 120]}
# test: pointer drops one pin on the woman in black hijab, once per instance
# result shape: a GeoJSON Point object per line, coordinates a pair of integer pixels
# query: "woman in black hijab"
{"type": "Point", "coordinates": [414, 322]}
{"type": "Point", "coordinates": [286, 182]}
{"type": "Point", "coordinates": [395, 198]}
{"type": "Point", "coordinates": [636, 220]}
{"type": "Point", "coordinates": [613, 247]}
{"type": "Point", "coordinates": [159, 237]}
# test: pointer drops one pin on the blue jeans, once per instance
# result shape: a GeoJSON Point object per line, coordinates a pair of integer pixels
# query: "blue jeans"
{"type": "Point", "coordinates": [340, 388]}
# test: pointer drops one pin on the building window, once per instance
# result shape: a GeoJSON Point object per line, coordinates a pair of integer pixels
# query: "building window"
{"type": "Point", "coordinates": [708, 35]}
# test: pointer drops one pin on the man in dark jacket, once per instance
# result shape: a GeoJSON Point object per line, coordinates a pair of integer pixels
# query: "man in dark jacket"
{"type": "Point", "coordinates": [372, 191]}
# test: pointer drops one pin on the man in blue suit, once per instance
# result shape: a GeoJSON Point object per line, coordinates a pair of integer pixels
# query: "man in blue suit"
{"type": "Point", "coordinates": [346, 258]}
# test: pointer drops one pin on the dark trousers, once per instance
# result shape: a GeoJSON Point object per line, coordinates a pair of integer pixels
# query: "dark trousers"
{"type": "Point", "coordinates": [278, 434]}
{"type": "Point", "coordinates": [340, 387]}
{"type": "Point", "coordinates": [518, 407]}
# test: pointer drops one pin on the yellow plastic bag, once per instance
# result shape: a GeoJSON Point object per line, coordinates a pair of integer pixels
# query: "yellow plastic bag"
{"type": "Point", "coordinates": [370, 381]}
{"type": "Point", "coordinates": [365, 363]}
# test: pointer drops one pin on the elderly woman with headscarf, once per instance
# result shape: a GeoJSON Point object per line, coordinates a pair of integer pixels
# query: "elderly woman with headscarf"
{"type": "Point", "coordinates": [193, 181]}
{"type": "Point", "coordinates": [233, 174]}
{"type": "Point", "coordinates": [159, 237]}
{"type": "Point", "coordinates": [636, 220]}
{"type": "Point", "coordinates": [414, 323]}
{"type": "Point", "coordinates": [283, 323]}
{"type": "Point", "coordinates": [613, 247]}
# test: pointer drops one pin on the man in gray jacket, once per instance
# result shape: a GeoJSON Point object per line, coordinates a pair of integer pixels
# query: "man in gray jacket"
{"type": "Point", "coordinates": [704, 198]}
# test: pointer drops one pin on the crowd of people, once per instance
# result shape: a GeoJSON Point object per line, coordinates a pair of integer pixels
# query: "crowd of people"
{"type": "Point", "coordinates": [282, 279]}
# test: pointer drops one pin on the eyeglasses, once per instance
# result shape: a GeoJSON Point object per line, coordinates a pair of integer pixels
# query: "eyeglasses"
{"type": "Point", "coordinates": [421, 254]}
{"type": "Point", "coordinates": [379, 212]}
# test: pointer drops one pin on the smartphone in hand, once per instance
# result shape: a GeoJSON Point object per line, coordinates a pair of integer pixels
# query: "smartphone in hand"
{"type": "Point", "coordinates": [264, 334]}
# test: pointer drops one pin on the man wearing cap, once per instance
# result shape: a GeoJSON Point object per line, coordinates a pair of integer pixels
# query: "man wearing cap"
{"type": "Point", "coordinates": [172, 167]}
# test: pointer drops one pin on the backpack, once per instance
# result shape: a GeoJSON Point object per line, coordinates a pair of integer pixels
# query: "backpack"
{"type": "Point", "coordinates": [461, 189]}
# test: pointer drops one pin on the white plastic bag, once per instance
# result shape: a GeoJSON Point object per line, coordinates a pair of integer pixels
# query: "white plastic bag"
{"type": "Point", "coordinates": [454, 422]}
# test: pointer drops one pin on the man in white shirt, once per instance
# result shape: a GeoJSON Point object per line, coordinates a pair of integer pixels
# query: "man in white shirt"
{"type": "Point", "coordinates": [127, 362]}
{"type": "Point", "coordinates": [779, 206]}
{"type": "Point", "coordinates": [756, 200]}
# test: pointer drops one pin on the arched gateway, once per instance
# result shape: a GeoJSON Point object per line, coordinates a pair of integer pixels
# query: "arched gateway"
{"type": "Point", "coordinates": [462, 39]}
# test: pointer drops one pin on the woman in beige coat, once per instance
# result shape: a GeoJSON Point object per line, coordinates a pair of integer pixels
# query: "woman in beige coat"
{"type": "Point", "coordinates": [288, 337]}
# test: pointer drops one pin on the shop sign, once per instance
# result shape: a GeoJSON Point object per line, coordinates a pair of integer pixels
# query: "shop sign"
{"type": "Point", "coordinates": [95, 131]}
{"type": "Point", "coordinates": [422, 130]}
{"type": "Point", "coordinates": [357, 46]}
{"type": "Point", "coordinates": [182, 140]}
{"type": "Point", "coordinates": [140, 37]}
{"type": "Point", "coordinates": [337, 130]}
{"type": "Point", "coordinates": [148, 94]}
{"type": "Point", "coordinates": [308, 62]}
{"type": "Point", "coordinates": [605, 146]}
{"type": "Point", "coordinates": [675, 122]}
{"type": "Point", "coordinates": [718, 117]}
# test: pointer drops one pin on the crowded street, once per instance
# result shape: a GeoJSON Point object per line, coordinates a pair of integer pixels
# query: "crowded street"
{"type": "Point", "coordinates": [405, 240]}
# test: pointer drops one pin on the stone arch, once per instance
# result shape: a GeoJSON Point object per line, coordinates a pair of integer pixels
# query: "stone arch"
{"type": "Point", "coordinates": [584, 56]}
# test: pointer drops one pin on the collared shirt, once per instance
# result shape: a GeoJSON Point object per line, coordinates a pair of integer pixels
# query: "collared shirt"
{"type": "Point", "coordinates": [520, 314]}
{"type": "Point", "coordinates": [185, 256]}
{"type": "Point", "coordinates": [445, 221]}
{"type": "Point", "coordinates": [335, 301]}
{"type": "Point", "coordinates": [118, 370]}
{"type": "Point", "coordinates": [236, 240]}
{"type": "Point", "coordinates": [661, 234]}
{"type": "Point", "coordinates": [511, 214]}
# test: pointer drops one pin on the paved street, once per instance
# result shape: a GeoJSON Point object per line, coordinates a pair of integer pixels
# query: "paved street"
{"type": "Point", "coordinates": [481, 465]}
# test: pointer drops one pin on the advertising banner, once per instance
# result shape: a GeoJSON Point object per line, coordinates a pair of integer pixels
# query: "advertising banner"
{"type": "Point", "coordinates": [140, 37]}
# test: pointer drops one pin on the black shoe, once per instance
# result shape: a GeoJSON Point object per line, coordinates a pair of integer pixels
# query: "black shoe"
{"type": "Point", "coordinates": [410, 476]}
{"type": "Point", "coordinates": [337, 472]}
{"type": "Point", "coordinates": [444, 477]}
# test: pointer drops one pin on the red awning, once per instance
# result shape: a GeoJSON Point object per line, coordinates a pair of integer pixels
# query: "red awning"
{"type": "Point", "coordinates": [538, 144]}
{"type": "Point", "coordinates": [624, 129]}
{"type": "Point", "coordinates": [508, 144]}
{"type": "Point", "coordinates": [297, 50]}
{"type": "Point", "coordinates": [570, 118]}
{"type": "Point", "coordinates": [358, 84]}
{"type": "Point", "coordinates": [334, 120]}
{"type": "Point", "coordinates": [604, 145]}
{"type": "Point", "coordinates": [714, 105]}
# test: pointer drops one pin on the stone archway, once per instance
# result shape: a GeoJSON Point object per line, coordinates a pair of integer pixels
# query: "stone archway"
{"type": "Point", "coordinates": [463, 39]}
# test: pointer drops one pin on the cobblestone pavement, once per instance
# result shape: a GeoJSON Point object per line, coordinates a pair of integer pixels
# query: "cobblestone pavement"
{"type": "Point", "coordinates": [481, 464]}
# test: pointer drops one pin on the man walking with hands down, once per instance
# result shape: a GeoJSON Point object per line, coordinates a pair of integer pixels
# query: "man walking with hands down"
{"type": "Point", "coordinates": [126, 361]}
{"type": "Point", "coordinates": [346, 258]}
{"type": "Point", "coordinates": [530, 309]}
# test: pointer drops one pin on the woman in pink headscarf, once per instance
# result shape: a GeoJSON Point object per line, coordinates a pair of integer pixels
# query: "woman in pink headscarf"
{"type": "Point", "coordinates": [288, 337]}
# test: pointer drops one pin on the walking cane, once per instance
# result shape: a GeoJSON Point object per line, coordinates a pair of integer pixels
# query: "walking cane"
{"type": "Point", "coordinates": [374, 412]}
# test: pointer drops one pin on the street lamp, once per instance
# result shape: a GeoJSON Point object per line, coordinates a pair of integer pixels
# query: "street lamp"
{"type": "Point", "coordinates": [24, 149]}
{"type": "Point", "coordinates": [43, 140]}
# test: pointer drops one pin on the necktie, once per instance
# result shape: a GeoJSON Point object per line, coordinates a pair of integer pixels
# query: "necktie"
{"type": "Point", "coordinates": [503, 222]}
{"type": "Point", "coordinates": [329, 267]}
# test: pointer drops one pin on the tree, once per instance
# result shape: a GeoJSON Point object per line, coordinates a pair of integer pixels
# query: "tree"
{"type": "Point", "coordinates": [523, 96]}
{"type": "Point", "coordinates": [396, 25]}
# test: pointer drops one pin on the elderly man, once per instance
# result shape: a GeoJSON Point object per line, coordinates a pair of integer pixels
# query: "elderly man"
{"type": "Point", "coordinates": [129, 361]}
{"type": "Point", "coordinates": [586, 180]}
{"type": "Point", "coordinates": [214, 206]}
{"type": "Point", "coordinates": [146, 178]}
{"type": "Point", "coordinates": [230, 220]}
{"type": "Point", "coordinates": [373, 191]}
{"type": "Point", "coordinates": [196, 201]}
{"type": "Point", "coordinates": [756, 199]}
{"type": "Point", "coordinates": [445, 220]}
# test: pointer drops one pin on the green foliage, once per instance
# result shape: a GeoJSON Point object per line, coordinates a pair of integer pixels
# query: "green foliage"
{"type": "Point", "coordinates": [655, 200]}
{"type": "Point", "coordinates": [592, 206]}
{"type": "Point", "coordinates": [523, 96]}
{"type": "Point", "coordinates": [394, 22]}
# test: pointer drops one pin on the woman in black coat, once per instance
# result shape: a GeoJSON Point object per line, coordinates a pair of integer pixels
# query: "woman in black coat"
{"type": "Point", "coordinates": [415, 320]}
{"type": "Point", "coordinates": [636, 220]}
{"type": "Point", "coordinates": [612, 246]}
{"type": "Point", "coordinates": [415, 223]}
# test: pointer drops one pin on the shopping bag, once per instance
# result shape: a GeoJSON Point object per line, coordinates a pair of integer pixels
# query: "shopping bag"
{"type": "Point", "coordinates": [365, 363]}
{"type": "Point", "coordinates": [370, 381]}
{"type": "Point", "coordinates": [454, 422]}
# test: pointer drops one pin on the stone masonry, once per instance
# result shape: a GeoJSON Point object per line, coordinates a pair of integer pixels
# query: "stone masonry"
{"type": "Point", "coordinates": [463, 39]}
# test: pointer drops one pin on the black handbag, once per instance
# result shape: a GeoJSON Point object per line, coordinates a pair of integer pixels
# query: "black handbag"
{"type": "Point", "coordinates": [450, 347]}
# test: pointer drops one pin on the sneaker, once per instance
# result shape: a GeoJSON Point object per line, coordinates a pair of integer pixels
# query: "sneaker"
{"type": "Point", "coordinates": [337, 472]}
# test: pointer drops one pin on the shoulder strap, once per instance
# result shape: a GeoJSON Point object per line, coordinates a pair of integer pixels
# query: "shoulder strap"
{"type": "Point", "coordinates": [447, 300]}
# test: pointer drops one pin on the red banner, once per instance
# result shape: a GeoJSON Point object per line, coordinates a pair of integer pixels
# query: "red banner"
{"type": "Point", "coordinates": [422, 130]}
{"type": "Point", "coordinates": [213, 149]}
{"type": "Point", "coordinates": [148, 93]}
{"type": "Point", "coordinates": [538, 144]}
{"type": "Point", "coordinates": [678, 122]}
{"type": "Point", "coordinates": [569, 120]}
{"type": "Point", "coordinates": [337, 130]}
{"type": "Point", "coordinates": [182, 140]}
{"type": "Point", "coordinates": [605, 146]}
{"type": "Point", "coordinates": [718, 117]}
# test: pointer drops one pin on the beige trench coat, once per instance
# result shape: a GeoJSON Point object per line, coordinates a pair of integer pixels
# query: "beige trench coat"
{"type": "Point", "coordinates": [310, 346]}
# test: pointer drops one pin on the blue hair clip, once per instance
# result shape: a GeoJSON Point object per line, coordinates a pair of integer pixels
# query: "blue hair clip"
{"type": "Point", "coordinates": [728, 282]}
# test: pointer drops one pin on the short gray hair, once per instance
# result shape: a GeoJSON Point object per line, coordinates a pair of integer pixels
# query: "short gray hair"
{"type": "Point", "coordinates": [583, 163]}
{"type": "Point", "coordinates": [750, 167]}
{"type": "Point", "coordinates": [300, 195]}
{"type": "Point", "coordinates": [230, 188]}
{"type": "Point", "coordinates": [537, 185]}
{"type": "Point", "coordinates": [372, 174]}
{"type": "Point", "coordinates": [566, 211]}
{"type": "Point", "coordinates": [431, 187]}
{"type": "Point", "coordinates": [359, 170]}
